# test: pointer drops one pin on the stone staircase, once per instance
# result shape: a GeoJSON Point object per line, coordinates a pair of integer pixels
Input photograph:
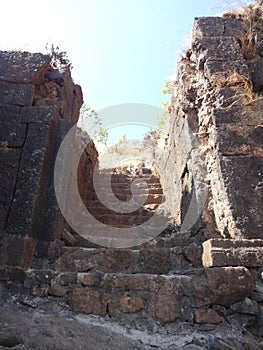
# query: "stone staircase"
{"type": "Point", "coordinates": [128, 283]}
{"type": "Point", "coordinates": [148, 190]}
{"type": "Point", "coordinates": [162, 280]}
{"type": "Point", "coordinates": [119, 199]}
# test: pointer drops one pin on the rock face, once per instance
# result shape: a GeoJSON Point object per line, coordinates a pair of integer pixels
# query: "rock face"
{"type": "Point", "coordinates": [215, 141]}
{"type": "Point", "coordinates": [199, 284]}
{"type": "Point", "coordinates": [39, 104]}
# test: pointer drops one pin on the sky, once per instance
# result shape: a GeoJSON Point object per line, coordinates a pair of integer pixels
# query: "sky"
{"type": "Point", "coordinates": [121, 50]}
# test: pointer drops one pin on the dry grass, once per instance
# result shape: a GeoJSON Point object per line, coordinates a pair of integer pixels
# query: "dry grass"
{"type": "Point", "coordinates": [233, 78]}
{"type": "Point", "coordinates": [249, 44]}
{"type": "Point", "coordinates": [251, 14]}
{"type": "Point", "coordinates": [240, 9]}
{"type": "Point", "coordinates": [241, 83]}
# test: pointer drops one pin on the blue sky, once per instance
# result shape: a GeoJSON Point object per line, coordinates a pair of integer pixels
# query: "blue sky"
{"type": "Point", "coordinates": [130, 47]}
{"type": "Point", "coordinates": [121, 50]}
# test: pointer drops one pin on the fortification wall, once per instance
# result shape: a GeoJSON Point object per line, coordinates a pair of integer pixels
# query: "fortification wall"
{"type": "Point", "coordinates": [39, 103]}
{"type": "Point", "coordinates": [198, 287]}
{"type": "Point", "coordinates": [215, 132]}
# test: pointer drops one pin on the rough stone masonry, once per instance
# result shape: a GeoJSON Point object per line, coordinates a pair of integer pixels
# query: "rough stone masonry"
{"type": "Point", "coordinates": [200, 288]}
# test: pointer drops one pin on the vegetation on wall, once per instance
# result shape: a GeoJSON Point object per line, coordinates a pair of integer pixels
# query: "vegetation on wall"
{"type": "Point", "coordinates": [59, 59]}
{"type": "Point", "coordinates": [90, 121]}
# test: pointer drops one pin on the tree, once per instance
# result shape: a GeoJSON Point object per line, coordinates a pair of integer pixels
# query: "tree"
{"type": "Point", "coordinates": [90, 121]}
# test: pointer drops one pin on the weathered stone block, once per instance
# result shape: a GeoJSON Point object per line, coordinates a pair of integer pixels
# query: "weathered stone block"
{"type": "Point", "coordinates": [17, 274]}
{"type": "Point", "coordinates": [10, 339]}
{"type": "Point", "coordinates": [226, 48]}
{"type": "Point", "coordinates": [12, 134]}
{"type": "Point", "coordinates": [20, 250]}
{"type": "Point", "coordinates": [76, 260]}
{"type": "Point", "coordinates": [9, 170]}
{"type": "Point", "coordinates": [22, 67]}
{"type": "Point", "coordinates": [227, 285]}
{"type": "Point", "coordinates": [57, 290]}
{"type": "Point", "coordinates": [139, 282]}
{"type": "Point", "coordinates": [124, 260]}
{"type": "Point", "coordinates": [240, 139]}
{"type": "Point", "coordinates": [193, 253]}
{"type": "Point", "coordinates": [127, 304]}
{"type": "Point", "coordinates": [219, 71]}
{"type": "Point", "coordinates": [208, 316]}
{"type": "Point", "coordinates": [9, 113]}
{"type": "Point", "coordinates": [85, 259]}
{"type": "Point", "coordinates": [28, 186]}
{"type": "Point", "coordinates": [38, 114]}
{"type": "Point", "coordinates": [89, 301]}
{"type": "Point", "coordinates": [167, 306]}
{"type": "Point", "coordinates": [93, 279]}
{"type": "Point", "coordinates": [16, 94]}
{"type": "Point", "coordinates": [67, 278]}
{"type": "Point", "coordinates": [243, 177]}
{"type": "Point", "coordinates": [157, 261]}
{"type": "Point", "coordinates": [208, 27]}
{"type": "Point", "coordinates": [219, 252]}
{"type": "Point", "coordinates": [247, 306]}
{"type": "Point", "coordinates": [258, 293]}
{"type": "Point", "coordinates": [257, 76]}
{"type": "Point", "coordinates": [3, 249]}
{"type": "Point", "coordinates": [42, 277]}
{"type": "Point", "coordinates": [51, 220]}
{"type": "Point", "coordinates": [235, 27]}
{"type": "Point", "coordinates": [3, 272]}
{"type": "Point", "coordinates": [251, 115]}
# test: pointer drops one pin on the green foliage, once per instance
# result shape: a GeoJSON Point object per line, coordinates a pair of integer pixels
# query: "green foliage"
{"type": "Point", "coordinates": [120, 145]}
{"type": "Point", "coordinates": [92, 123]}
{"type": "Point", "coordinates": [151, 138]}
{"type": "Point", "coordinates": [89, 113]}
{"type": "Point", "coordinates": [122, 140]}
{"type": "Point", "coordinates": [101, 135]}
{"type": "Point", "coordinates": [162, 120]}
{"type": "Point", "coordinates": [167, 90]}
{"type": "Point", "coordinates": [168, 87]}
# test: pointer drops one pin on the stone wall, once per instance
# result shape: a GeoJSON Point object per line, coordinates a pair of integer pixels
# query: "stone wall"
{"type": "Point", "coordinates": [215, 133]}
{"type": "Point", "coordinates": [39, 103]}
{"type": "Point", "coordinates": [198, 285]}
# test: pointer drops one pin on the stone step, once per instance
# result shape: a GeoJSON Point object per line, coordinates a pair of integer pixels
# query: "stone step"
{"type": "Point", "coordinates": [128, 184]}
{"type": "Point", "coordinates": [124, 179]}
{"type": "Point", "coordinates": [151, 198]}
{"type": "Point", "coordinates": [151, 261]}
{"type": "Point", "coordinates": [99, 210]}
{"type": "Point", "coordinates": [138, 297]}
{"type": "Point", "coordinates": [151, 179]}
{"type": "Point", "coordinates": [180, 242]}
{"type": "Point", "coordinates": [127, 190]}
{"type": "Point", "coordinates": [94, 205]}
{"type": "Point", "coordinates": [124, 220]}
{"type": "Point", "coordinates": [127, 297]}
{"type": "Point", "coordinates": [227, 252]}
